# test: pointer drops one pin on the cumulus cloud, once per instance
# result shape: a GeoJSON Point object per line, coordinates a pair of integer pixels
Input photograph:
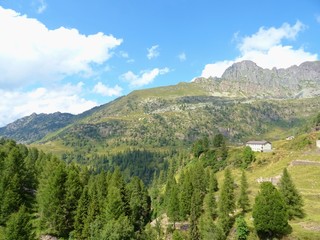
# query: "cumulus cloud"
{"type": "Point", "coordinates": [267, 50]}
{"type": "Point", "coordinates": [15, 104]}
{"type": "Point", "coordinates": [182, 57]}
{"type": "Point", "coordinates": [32, 53]}
{"type": "Point", "coordinates": [144, 77]}
{"type": "Point", "coordinates": [105, 90]}
{"type": "Point", "coordinates": [153, 52]}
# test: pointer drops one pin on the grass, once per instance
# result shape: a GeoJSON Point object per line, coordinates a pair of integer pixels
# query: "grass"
{"type": "Point", "coordinates": [306, 179]}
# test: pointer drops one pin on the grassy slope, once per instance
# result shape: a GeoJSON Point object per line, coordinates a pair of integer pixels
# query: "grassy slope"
{"type": "Point", "coordinates": [306, 179]}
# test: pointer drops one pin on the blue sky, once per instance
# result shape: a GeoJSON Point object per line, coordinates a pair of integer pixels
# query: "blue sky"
{"type": "Point", "coordinates": [70, 56]}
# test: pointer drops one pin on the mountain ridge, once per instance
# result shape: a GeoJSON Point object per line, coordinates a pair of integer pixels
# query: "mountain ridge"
{"type": "Point", "coordinates": [173, 115]}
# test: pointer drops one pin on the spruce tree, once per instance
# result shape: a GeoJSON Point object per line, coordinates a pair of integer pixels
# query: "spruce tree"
{"type": "Point", "coordinates": [270, 212]}
{"type": "Point", "coordinates": [51, 199]}
{"type": "Point", "coordinates": [186, 190]}
{"type": "Point", "coordinates": [291, 196]}
{"type": "Point", "coordinates": [243, 201]}
{"type": "Point", "coordinates": [226, 204]}
{"type": "Point", "coordinates": [173, 204]}
{"type": "Point", "coordinates": [19, 226]}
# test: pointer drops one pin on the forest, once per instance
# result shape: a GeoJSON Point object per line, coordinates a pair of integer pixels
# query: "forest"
{"type": "Point", "coordinates": [41, 195]}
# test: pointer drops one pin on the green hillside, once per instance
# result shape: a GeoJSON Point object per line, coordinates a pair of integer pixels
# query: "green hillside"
{"type": "Point", "coordinates": [174, 117]}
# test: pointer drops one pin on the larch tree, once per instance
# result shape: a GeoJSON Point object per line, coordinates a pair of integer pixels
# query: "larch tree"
{"type": "Point", "coordinates": [243, 201]}
{"type": "Point", "coordinates": [291, 196]}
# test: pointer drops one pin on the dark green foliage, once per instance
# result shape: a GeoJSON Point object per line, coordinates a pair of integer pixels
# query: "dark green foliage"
{"type": "Point", "coordinates": [117, 229]}
{"type": "Point", "coordinates": [140, 204]}
{"type": "Point", "coordinates": [243, 201]}
{"type": "Point", "coordinates": [15, 186]}
{"type": "Point", "coordinates": [213, 183]}
{"type": "Point", "coordinates": [19, 226]}
{"type": "Point", "coordinates": [51, 199]}
{"type": "Point", "coordinates": [173, 204]}
{"type": "Point", "coordinates": [247, 157]}
{"type": "Point", "coordinates": [291, 196]}
{"type": "Point", "coordinates": [186, 190]}
{"type": "Point", "coordinates": [226, 204]}
{"type": "Point", "coordinates": [200, 146]}
{"type": "Point", "coordinates": [242, 229]}
{"type": "Point", "coordinates": [270, 212]}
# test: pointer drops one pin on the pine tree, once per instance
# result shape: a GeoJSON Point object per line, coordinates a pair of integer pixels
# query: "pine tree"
{"type": "Point", "coordinates": [291, 196]}
{"type": "Point", "coordinates": [270, 212]}
{"type": "Point", "coordinates": [19, 226]}
{"type": "Point", "coordinates": [243, 201]}
{"type": "Point", "coordinates": [195, 212]}
{"type": "Point", "coordinates": [226, 204]}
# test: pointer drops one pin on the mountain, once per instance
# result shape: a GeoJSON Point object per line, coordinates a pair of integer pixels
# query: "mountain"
{"type": "Point", "coordinates": [247, 79]}
{"type": "Point", "coordinates": [247, 102]}
{"type": "Point", "coordinates": [34, 127]}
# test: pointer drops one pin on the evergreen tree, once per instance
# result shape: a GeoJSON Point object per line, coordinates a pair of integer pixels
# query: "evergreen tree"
{"type": "Point", "coordinates": [226, 204]}
{"type": "Point", "coordinates": [51, 199]}
{"type": "Point", "coordinates": [81, 225]}
{"type": "Point", "coordinates": [210, 205]}
{"type": "Point", "coordinates": [243, 201]}
{"type": "Point", "coordinates": [15, 187]}
{"type": "Point", "coordinates": [19, 226]}
{"type": "Point", "coordinates": [291, 196]}
{"type": "Point", "coordinates": [247, 157]}
{"type": "Point", "coordinates": [196, 211]}
{"type": "Point", "coordinates": [73, 193]}
{"type": "Point", "coordinates": [270, 212]}
{"type": "Point", "coordinates": [213, 183]}
{"type": "Point", "coordinates": [186, 190]}
{"type": "Point", "coordinates": [173, 204]}
{"type": "Point", "coordinates": [140, 204]}
{"type": "Point", "coordinates": [242, 228]}
{"type": "Point", "coordinates": [208, 230]}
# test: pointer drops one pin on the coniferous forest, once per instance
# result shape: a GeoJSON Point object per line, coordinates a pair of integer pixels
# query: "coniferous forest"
{"type": "Point", "coordinates": [42, 195]}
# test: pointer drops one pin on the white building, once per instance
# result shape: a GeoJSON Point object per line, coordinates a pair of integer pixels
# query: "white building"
{"type": "Point", "coordinates": [259, 146]}
{"type": "Point", "coordinates": [318, 143]}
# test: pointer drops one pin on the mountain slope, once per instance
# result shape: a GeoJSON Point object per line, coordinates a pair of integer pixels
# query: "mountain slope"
{"type": "Point", "coordinates": [34, 127]}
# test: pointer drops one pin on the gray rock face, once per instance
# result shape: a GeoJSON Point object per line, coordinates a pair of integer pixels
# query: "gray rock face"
{"type": "Point", "coordinates": [247, 79]}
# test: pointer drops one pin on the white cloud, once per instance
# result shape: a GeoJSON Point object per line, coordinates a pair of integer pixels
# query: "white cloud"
{"type": "Point", "coordinates": [153, 52]}
{"type": "Point", "coordinates": [144, 78]}
{"type": "Point", "coordinates": [182, 57]}
{"type": "Point", "coordinates": [266, 49]}
{"type": "Point", "coordinates": [318, 18]}
{"type": "Point", "coordinates": [42, 6]}
{"type": "Point", "coordinates": [15, 104]}
{"type": "Point", "coordinates": [32, 53]}
{"type": "Point", "coordinates": [216, 69]}
{"type": "Point", "coordinates": [104, 90]}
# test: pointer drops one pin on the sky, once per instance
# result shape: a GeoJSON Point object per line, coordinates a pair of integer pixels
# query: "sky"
{"type": "Point", "coordinates": [72, 55]}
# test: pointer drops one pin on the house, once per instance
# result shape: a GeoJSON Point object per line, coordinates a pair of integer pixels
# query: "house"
{"type": "Point", "coordinates": [318, 143]}
{"type": "Point", "coordinates": [259, 146]}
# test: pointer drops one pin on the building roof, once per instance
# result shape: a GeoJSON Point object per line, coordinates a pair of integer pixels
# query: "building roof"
{"type": "Point", "coordinates": [263, 142]}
